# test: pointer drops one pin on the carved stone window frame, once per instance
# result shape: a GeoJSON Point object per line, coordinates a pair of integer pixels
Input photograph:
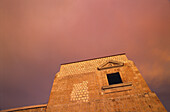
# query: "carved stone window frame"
{"type": "Point", "coordinates": [124, 86]}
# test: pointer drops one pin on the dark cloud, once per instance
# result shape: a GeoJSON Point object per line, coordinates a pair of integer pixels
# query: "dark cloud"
{"type": "Point", "coordinates": [37, 36]}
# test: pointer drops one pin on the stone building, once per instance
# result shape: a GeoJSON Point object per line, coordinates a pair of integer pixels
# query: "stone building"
{"type": "Point", "coordinates": [105, 84]}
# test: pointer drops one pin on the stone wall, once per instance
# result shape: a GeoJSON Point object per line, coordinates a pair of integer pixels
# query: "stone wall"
{"type": "Point", "coordinates": [81, 87]}
{"type": "Point", "coordinates": [34, 108]}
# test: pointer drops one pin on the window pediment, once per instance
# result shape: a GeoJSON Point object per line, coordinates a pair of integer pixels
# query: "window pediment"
{"type": "Point", "coordinates": [110, 64]}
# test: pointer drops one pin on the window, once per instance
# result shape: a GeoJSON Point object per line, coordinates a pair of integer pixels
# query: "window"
{"type": "Point", "coordinates": [114, 78]}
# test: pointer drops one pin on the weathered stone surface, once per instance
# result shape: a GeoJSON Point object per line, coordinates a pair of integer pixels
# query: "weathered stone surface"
{"type": "Point", "coordinates": [34, 108]}
{"type": "Point", "coordinates": [83, 87]}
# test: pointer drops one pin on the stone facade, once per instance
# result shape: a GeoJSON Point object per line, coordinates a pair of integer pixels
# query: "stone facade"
{"type": "Point", "coordinates": [34, 108]}
{"type": "Point", "coordinates": [83, 86]}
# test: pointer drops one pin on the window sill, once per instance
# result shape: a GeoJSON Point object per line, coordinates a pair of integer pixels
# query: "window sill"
{"type": "Point", "coordinates": [117, 85]}
{"type": "Point", "coordinates": [117, 88]}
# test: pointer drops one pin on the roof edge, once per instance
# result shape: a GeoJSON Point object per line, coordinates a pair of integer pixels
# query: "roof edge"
{"type": "Point", "coordinates": [24, 108]}
{"type": "Point", "coordinates": [92, 59]}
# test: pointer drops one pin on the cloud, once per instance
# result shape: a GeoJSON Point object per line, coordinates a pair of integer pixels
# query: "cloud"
{"type": "Point", "coordinates": [37, 36]}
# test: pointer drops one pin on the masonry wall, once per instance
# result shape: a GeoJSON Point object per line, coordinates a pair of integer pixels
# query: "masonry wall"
{"type": "Point", "coordinates": [42, 109]}
{"type": "Point", "coordinates": [33, 108]}
{"type": "Point", "coordinates": [81, 87]}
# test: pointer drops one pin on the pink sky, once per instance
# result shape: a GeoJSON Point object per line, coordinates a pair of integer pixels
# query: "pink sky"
{"type": "Point", "coordinates": [36, 36]}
